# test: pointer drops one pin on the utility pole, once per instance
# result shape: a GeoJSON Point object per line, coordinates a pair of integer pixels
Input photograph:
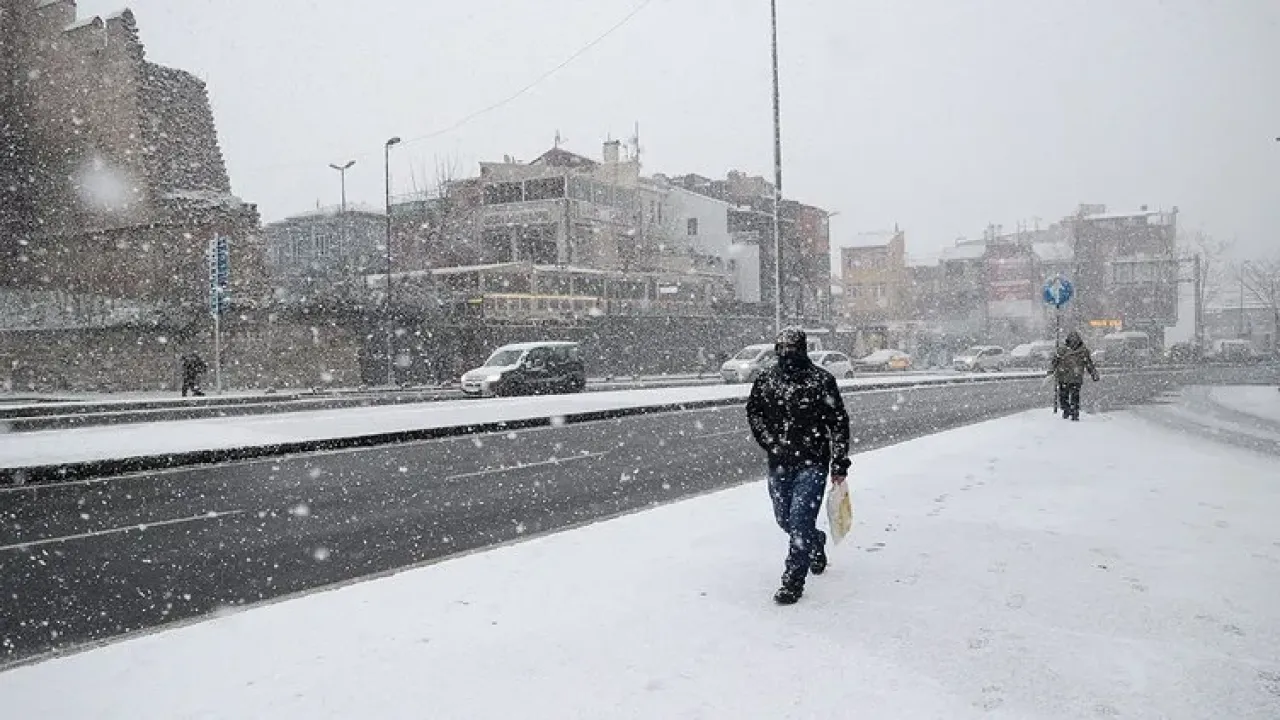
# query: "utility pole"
{"type": "Point", "coordinates": [391, 326]}
{"type": "Point", "coordinates": [1240, 323]}
{"type": "Point", "coordinates": [1199, 309]}
{"type": "Point", "coordinates": [777, 174]}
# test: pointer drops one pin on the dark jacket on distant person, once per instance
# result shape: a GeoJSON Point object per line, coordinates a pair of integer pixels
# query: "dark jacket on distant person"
{"type": "Point", "coordinates": [1072, 360]}
{"type": "Point", "coordinates": [193, 366]}
{"type": "Point", "coordinates": [797, 415]}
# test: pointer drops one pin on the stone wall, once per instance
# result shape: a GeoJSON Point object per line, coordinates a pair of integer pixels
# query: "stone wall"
{"type": "Point", "coordinates": [130, 358]}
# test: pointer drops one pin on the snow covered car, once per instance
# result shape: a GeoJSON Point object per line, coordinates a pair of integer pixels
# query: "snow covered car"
{"type": "Point", "coordinates": [882, 360]}
{"type": "Point", "coordinates": [747, 365]}
{"type": "Point", "coordinates": [836, 363]}
{"type": "Point", "coordinates": [1036, 354]}
{"type": "Point", "coordinates": [981, 358]}
{"type": "Point", "coordinates": [536, 368]}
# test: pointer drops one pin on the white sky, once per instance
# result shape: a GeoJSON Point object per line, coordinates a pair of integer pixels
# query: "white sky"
{"type": "Point", "coordinates": [939, 115]}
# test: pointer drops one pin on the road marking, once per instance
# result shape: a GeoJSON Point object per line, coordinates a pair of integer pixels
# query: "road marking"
{"type": "Point", "coordinates": [739, 431]}
{"type": "Point", "coordinates": [525, 466]}
{"type": "Point", "coordinates": [113, 531]}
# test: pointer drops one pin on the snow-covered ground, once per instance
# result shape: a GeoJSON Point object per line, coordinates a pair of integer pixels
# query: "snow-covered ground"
{"type": "Point", "coordinates": [1262, 401]}
{"type": "Point", "coordinates": [48, 447]}
{"type": "Point", "coordinates": [1020, 568]}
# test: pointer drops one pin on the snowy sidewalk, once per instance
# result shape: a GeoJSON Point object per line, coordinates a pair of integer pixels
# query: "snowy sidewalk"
{"type": "Point", "coordinates": [174, 437]}
{"type": "Point", "coordinates": [1021, 568]}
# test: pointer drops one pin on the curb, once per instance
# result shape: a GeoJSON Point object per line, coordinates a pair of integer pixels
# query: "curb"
{"type": "Point", "coordinates": [64, 472]}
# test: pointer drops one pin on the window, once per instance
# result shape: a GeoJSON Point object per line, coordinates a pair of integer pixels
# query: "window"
{"type": "Point", "coordinates": [544, 189]}
{"type": "Point", "coordinates": [693, 226]}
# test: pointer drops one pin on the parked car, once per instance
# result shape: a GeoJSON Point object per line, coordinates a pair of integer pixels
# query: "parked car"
{"type": "Point", "coordinates": [535, 368]}
{"type": "Point", "coordinates": [747, 365]}
{"type": "Point", "coordinates": [1130, 348]}
{"type": "Point", "coordinates": [836, 363]}
{"type": "Point", "coordinates": [1235, 351]}
{"type": "Point", "coordinates": [882, 360]}
{"type": "Point", "coordinates": [1035, 354]}
{"type": "Point", "coordinates": [981, 358]}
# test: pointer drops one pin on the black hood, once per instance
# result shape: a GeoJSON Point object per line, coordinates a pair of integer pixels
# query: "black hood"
{"type": "Point", "coordinates": [1074, 340]}
{"type": "Point", "coordinates": [792, 348]}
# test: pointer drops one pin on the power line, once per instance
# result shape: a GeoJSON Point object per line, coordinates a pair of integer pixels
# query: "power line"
{"type": "Point", "coordinates": [538, 80]}
{"type": "Point", "coordinates": [517, 94]}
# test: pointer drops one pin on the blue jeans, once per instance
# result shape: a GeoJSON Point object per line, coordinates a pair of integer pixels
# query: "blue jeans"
{"type": "Point", "coordinates": [797, 495]}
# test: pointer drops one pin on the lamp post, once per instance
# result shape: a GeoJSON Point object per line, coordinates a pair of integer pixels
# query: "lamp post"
{"type": "Point", "coordinates": [777, 174]}
{"type": "Point", "coordinates": [391, 366]}
{"type": "Point", "coordinates": [342, 169]}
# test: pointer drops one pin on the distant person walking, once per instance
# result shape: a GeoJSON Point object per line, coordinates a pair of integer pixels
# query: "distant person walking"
{"type": "Point", "coordinates": [797, 415]}
{"type": "Point", "coordinates": [193, 367]}
{"type": "Point", "coordinates": [1071, 361]}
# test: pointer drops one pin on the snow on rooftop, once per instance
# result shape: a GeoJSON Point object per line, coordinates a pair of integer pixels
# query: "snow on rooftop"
{"type": "Point", "coordinates": [875, 238]}
{"type": "Point", "coordinates": [964, 252]}
{"type": "Point", "coordinates": [1053, 251]}
{"type": "Point", "coordinates": [83, 23]}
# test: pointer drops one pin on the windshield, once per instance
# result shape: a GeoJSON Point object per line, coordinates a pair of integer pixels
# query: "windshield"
{"type": "Point", "coordinates": [881, 355]}
{"type": "Point", "coordinates": [503, 358]}
{"type": "Point", "coordinates": [750, 353]}
{"type": "Point", "coordinates": [973, 351]}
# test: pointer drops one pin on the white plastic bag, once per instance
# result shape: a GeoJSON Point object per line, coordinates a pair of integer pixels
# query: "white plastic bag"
{"type": "Point", "coordinates": [839, 510]}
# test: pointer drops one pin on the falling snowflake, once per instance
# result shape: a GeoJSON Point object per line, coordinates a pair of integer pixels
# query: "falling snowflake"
{"type": "Point", "coordinates": [520, 528]}
{"type": "Point", "coordinates": [557, 421]}
{"type": "Point", "coordinates": [403, 469]}
{"type": "Point", "coordinates": [511, 436]}
{"type": "Point", "coordinates": [300, 510]}
{"type": "Point", "coordinates": [477, 442]}
{"type": "Point", "coordinates": [320, 554]}
{"type": "Point", "coordinates": [315, 472]}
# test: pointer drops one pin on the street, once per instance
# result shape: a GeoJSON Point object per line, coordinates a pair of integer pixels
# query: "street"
{"type": "Point", "coordinates": [92, 560]}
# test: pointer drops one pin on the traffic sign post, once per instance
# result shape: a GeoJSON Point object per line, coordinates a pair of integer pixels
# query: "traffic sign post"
{"type": "Point", "coordinates": [218, 258]}
{"type": "Point", "coordinates": [1057, 292]}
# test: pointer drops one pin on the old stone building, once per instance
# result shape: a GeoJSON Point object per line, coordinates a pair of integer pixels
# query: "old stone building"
{"type": "Point", "coordinates": [113, 181]}
{"type": "Point", "coordinates": [112, 184]}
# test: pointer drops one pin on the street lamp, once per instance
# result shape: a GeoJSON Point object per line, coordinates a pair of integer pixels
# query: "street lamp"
{"type": "Point", "coordinates": [391, 367]}
{"type": "Point", "coordinates": [777, 174]}
{"type": "Point", "coordinates": [342, 169]}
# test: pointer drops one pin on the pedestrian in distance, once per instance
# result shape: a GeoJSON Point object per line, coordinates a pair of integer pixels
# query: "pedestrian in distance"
{"type": "Point", "coordinates": [1071, 361]}
{"type": "Point", "coordinates": [798, 417]}
{"type": "Point", "coordinates": [193, 367]}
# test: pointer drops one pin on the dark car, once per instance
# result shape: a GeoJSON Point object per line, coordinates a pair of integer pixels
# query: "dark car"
{"type": "Point", "coordinates": [535, 368]}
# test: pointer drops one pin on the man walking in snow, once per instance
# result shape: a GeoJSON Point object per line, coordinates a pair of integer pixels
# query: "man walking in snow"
{"type": "Point", "coordinates": [797, 415]}
{"type": "Point", "coordinates": [1070, 362]}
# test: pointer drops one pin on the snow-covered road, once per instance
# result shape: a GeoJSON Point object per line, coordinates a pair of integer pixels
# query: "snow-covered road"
{"type": "Point", "coordinates": [49, 447]}
{"type": "Point", "coordinates": [1019, 568]}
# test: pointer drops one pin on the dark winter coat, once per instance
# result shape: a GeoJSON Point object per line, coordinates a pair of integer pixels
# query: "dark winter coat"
{"type": "Point", "coordinates": [1072, 360]}
{"type": "Point", "coordinates": [797, 415]}
{"type": "Point", "coordinates": [193, 366]}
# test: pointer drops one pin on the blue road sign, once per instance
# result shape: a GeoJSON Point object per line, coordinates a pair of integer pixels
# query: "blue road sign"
{"type": "Point", "coordinates": [1058, 291]}
{"type": "Point", "coordinates": [218, 257]}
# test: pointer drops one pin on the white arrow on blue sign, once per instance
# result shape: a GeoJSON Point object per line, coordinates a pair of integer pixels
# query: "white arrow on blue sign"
{"type": "Point", "coordinates": [218, 257]}
{"type": "Point", "coordinates": [1058, 291]}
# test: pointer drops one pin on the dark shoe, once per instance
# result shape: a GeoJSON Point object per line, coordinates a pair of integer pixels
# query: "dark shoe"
{"type": "Point", "coordinates": [818, 561]}
{"type": "Point", "coordinates": [787, 595]}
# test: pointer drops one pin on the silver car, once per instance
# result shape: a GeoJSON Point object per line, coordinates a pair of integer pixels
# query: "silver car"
{"type": "Point", "coordinates": [747, 365]}
{"type": "Point", "coordinates": [982, 358]}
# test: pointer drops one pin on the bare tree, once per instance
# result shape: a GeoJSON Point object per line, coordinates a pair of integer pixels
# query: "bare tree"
{"type": "Point", "coordinates": [1260, 280]}
{"type": "Point", "coordinates": [1213, 266]}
